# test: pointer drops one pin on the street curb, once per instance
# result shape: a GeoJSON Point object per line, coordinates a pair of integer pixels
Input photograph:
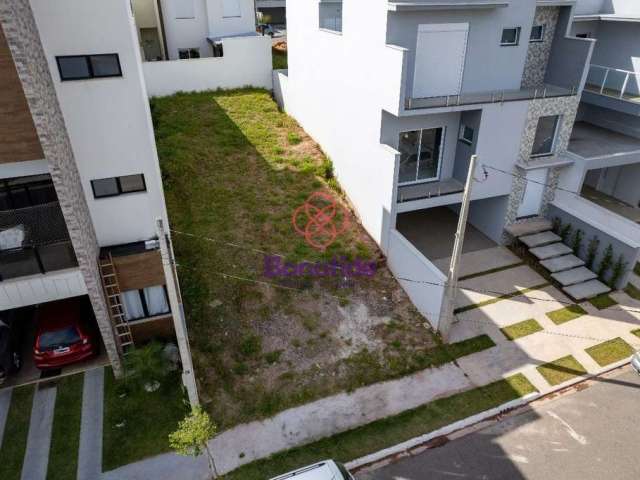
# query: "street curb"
{"type": "Point", "coordinates": [421, 442]}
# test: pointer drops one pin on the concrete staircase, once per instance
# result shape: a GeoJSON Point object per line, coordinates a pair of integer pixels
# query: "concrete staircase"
{"type": "Point", "coordinates": [569, 271]}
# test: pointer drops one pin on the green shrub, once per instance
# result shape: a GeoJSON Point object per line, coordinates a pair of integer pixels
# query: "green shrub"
{"type": "Point", "coordinates": [592, 251]}
{"type": "Point", "coordinates": [293, 138]}
{"type": "Point", "coordinates": [606, 263]}
{"type": "Point", "coordinates": [576, 242]}
{"type": "Point", "coordinates": [556, 225]}
{"type": "Point", "coordinates": [618, 269]}
{"type": "Point", "coordinates": [565, 232]}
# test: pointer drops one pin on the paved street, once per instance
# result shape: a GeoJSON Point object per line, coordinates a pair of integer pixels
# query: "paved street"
{"type": "Point", "coordinates": [589, 435]}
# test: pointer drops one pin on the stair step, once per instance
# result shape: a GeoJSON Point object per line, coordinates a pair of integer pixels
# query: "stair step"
{"type": "Point", "coordinates": [559, 264]}
{"type": "Point", "coordinates": [529, 227]}
{"type": "Point", "coordinates": [540, 239]}
{"type": "Point", "coordinates": [574, 276]}
{"type": "Point", "coordinates": [586, 290]}
{"type": "Point", "coordinates": [550, 251]}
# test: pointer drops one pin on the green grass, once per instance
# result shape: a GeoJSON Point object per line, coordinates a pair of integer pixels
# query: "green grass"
{"type": "Point", "coordinates": [469, 346]}
{"type": "Point", "coordinates": [602, 302]}
{"type": "Point", "coordinates": [636, 332]}
{"type": "Point", "coordinates": [632, 291]}
{"type": "Point", "coordinates": [610, 351]}
{"type": "Point", "coordinates": [561, 370]}
{"type": "Point", "coordinates": [521, 329]}
{"type": "Point", "coordinates": [279, 59]}
{"type": "Point", "coordinates": [15, 433]}
{"type": "Point", "coordinates": [566, 314]}
{"type": "Point", "coordinates": [497, 299]}
{"type": "Point", "coordinates": [493, 270]}
{"type": "Point", "coordinates": [636, 269]}
{"type": "Point", "coordinates": [137, 423]}
{"type": "Point", "coordinates": [390, 431]}
{"type": "Point", "coordinates": [65, 436]}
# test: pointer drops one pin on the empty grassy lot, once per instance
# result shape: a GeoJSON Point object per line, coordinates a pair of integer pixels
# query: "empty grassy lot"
{"type": "Point", "coordinates": [235, 169]}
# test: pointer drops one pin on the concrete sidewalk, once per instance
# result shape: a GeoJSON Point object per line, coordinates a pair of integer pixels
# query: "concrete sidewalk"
{"type": "Point", "coordinates": [36, 458]}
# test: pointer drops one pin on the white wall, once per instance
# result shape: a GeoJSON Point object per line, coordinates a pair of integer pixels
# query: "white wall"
{"type": "Point", "coordinates": [41, 288]}
{"type": "Point", "coordinates": [207, 21]}
{"type": "Point", "coordinates": [246, 62]}
{"type": "Point", "coordinates": [405, 261]}
{"type": "Point", "coordinates": [108, 120]}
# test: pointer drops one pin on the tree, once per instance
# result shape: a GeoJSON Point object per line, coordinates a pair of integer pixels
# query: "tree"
{"type": "Point", "coordinates": [192, 436]}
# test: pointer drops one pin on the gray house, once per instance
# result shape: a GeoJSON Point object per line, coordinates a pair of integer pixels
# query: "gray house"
{"type": "Point", "coordinates": [401, 93]}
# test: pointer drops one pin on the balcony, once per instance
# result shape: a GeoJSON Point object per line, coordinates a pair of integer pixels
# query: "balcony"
{"type": "Point", "coordinates": [34, 240]}
{"type": "Point", "coordinates": [614, 82]}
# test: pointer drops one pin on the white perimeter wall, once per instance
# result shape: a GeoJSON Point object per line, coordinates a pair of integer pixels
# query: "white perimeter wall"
{"type": "Point", "coordinates": [108, 120]}
{"type": "Point", "coordinates": [41, 288]}
{"type": "Point", "coordinates": [246, 62]}
{"type": "Point", "coordinates": [405, 261]}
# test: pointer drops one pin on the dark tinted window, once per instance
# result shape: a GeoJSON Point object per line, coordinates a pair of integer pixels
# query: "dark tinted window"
{"type": "Point", "coordinates": [105, 65]}
{"type": "Point", "coordinates": [105, 187]}
{"type": "Point", "coordinates": [81, 67]}
{"type": "Point", "coordinates": [59, 338]}
{"type": "Point", "coordinates": [510, 36]}
{"type": "Point", "coordinates": [132, 183]}
{"type": "Point", "coordinates": [73, 68]}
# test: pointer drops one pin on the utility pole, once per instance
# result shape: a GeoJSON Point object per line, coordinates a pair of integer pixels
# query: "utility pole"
{"type": "Point", "coordinates": [177, 311]}
{"type": "Point", "coordinates": [451, 285]}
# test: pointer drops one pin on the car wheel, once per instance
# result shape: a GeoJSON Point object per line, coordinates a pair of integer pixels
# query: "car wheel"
{"type": "Point", "coordinates": [17, 361]}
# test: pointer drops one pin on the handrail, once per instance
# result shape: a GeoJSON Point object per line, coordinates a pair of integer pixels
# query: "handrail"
{"type": "Point", "coordinates": [603, 84]}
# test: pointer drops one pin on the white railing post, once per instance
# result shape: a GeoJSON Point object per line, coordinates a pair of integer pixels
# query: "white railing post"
{"type": "Point", "coordinates": [624, 85]}
{"type": "Point", "coordinates": [604, 80]}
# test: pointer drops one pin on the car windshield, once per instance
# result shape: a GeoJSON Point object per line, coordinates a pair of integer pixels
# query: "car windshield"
{"type": "Point", "coordinates": [59, 338]}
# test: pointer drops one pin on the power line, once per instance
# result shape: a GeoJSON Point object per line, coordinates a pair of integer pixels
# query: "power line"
{"type": "Point", "coordinates": [454, 318]}
{"type": "Point", "coordinates": [411, 280]}
{"type": "Point", "coordinates": [522, 177]}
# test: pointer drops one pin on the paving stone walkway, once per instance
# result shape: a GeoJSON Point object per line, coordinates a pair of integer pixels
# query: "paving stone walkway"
{"type": "Point", "coordinates": [5, 401]}
{"type": "Point", "coordinates": [90, 454]}
{"type": "Point", "coordinates": [36, 458]}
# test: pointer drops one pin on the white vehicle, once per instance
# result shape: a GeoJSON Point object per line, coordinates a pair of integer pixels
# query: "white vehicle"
{"type": "Point", "coordinates": [327, 470]}
{"type": "Point", "coordinates": [635, 362]}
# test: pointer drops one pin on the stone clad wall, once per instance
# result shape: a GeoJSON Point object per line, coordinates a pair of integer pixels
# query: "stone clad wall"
{"type": "Point", "coordinates": [24, 41]}
{"type": "Point", "coordinates": [535, 67]}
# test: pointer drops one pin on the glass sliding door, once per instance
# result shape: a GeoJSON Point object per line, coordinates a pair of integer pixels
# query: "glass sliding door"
{"type": "Point", "coordinates": [421, 154]}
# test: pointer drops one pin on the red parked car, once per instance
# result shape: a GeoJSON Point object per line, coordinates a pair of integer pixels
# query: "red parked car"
{"type": "Point", "coordinates": [63, 336]}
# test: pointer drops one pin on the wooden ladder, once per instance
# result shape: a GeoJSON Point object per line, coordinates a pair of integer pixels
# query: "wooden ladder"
{"type": "Point", "coordinates": [114, 303]}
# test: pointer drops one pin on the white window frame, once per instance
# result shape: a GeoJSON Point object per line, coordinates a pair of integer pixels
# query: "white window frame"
{"type": "Point", "coordinates": [552, 150]}
{"type": "Point", "coordinates": [543, 29]}
{"type": "Point", "coordinates": [461, 133]}
{"type": "Point", "coordinates": [440, 156]}
{"type": "Point", "coordinates": [511, 44]}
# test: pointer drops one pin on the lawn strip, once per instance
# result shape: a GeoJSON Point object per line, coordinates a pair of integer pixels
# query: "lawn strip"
{"type": "Point", "coordinates": [65, 435]}
{"type": "Point", "coordinates": [602, 302]}
{"type": "Point", "coordinates": [469, 346]}
{"type": "Point", "coordinates": [389, 431]}
{"type": "Point", "coordinates": [15, 433]}
{"type": "Point", "coordinates": [632, 291]}
{"type": "Point", "coordinates": [493, 270]}
{"type": "Point", "coordinates": [561, 370]}
{"type": "Point", "coordinates": [521, 329]}
{"type": "Point", "coordinates": [505, 296]}
{"type": "Point", "coordinates": [136, 422]}
{"type": "Point", "coordinates": [610, 351]}
{"type": "Point", "coordinates": [636, 332]}
{"type": "Point", "coordinates": [566, 314]}
{"type": "Point", "coordinates": [279, 59]}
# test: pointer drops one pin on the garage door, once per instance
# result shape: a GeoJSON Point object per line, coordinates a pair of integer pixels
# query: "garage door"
{"type": "Point", "coordinates": [440, 55]}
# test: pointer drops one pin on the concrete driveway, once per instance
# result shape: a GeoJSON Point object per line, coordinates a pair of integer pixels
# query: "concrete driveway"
{"type": "Point", "coordinates": [588, 435]}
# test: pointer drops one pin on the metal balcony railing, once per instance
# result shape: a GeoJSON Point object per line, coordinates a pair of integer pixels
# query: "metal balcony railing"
{"type": "Point", "coordinates": [34, 240]}
{"type": "Point", "coordinates": [614, 82]}
{"type": "Point", "coordinates": [497, 96]}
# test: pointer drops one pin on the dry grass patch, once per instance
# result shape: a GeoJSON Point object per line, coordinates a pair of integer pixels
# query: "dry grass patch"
{"type": "Point", "coordinates": [561, 370]}
{"type": "Point", "coordinates": [610, 351]}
